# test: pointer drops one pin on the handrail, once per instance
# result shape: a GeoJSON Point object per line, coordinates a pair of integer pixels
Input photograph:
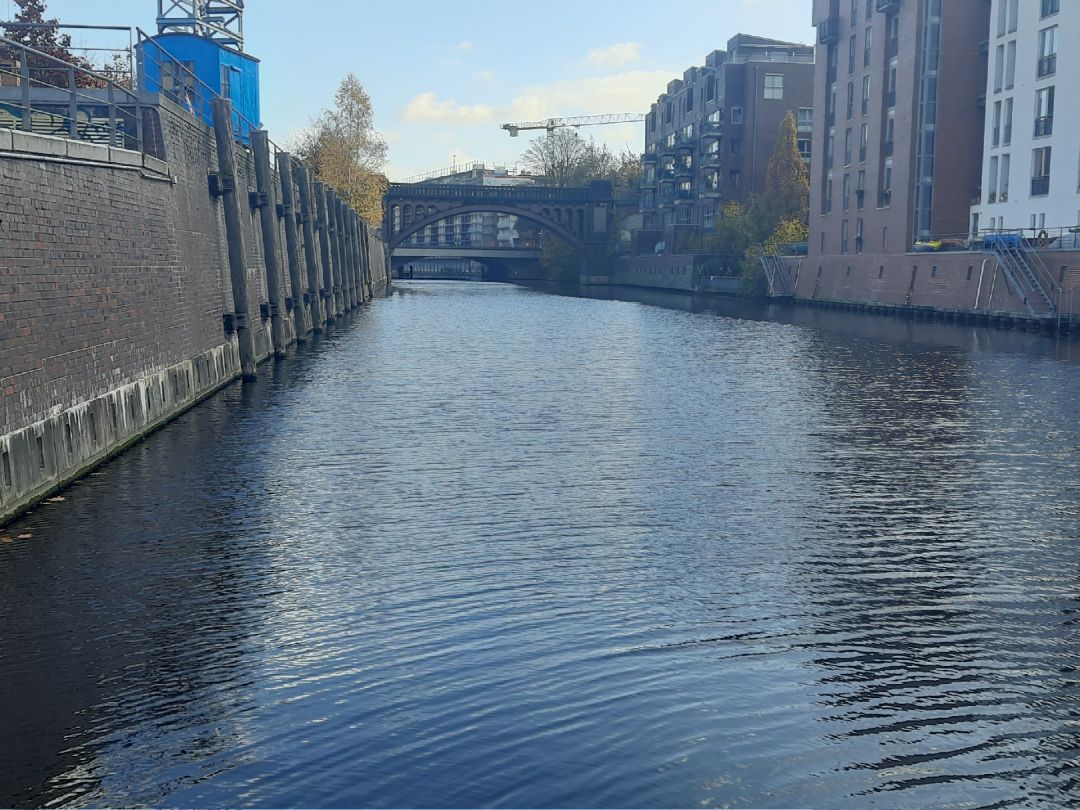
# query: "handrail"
{"type": "Point", "coordinates": [454, 191]}
{"type": "Point", "coordinates": [46, 66]}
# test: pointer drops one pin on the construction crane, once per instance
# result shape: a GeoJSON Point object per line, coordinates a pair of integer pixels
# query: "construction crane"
{"type": "Point", "coordinates": [552, 124]}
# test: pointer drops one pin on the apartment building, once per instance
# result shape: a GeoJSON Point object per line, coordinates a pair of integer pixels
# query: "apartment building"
{"type": "Point", "coordinates": [477, 229]}
{"type": "Point", "coordinates": [1031, 175]}
{"type": "Point", "coordinates": [898, 146]}
{"type": "Point", "coordinates": [709, 136]}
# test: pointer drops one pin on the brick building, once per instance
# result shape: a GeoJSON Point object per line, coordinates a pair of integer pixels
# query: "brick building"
{"type": "Point", "coordinates": [709, 137]}
{"type": "Point", "coordinates": [898, 148]}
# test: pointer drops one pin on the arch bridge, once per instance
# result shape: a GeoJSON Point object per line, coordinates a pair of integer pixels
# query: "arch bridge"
{"type": "Point", "coordinates": [581, 216]}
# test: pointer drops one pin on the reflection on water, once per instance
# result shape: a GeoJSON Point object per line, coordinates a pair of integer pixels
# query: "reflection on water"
{"type": "Point", "coordinates": [490, 546]}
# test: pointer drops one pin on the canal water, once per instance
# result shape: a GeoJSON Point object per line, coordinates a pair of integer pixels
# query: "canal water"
{"type": "Point", "coordinates": [487, 546]}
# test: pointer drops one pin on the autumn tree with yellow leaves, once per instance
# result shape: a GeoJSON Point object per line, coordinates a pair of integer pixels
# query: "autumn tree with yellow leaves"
{"type": "Point", "coordinates": [345, 151]}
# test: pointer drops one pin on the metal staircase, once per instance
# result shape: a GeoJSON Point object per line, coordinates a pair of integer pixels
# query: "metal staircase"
{"type": "Point", "coordinates": [775, 271]}
{"type": "Point", "coordinates": [1026, 272]}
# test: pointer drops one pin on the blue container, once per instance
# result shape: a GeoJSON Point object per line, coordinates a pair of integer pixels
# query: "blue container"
{"type": "Point", "coordinates": [191, 71]}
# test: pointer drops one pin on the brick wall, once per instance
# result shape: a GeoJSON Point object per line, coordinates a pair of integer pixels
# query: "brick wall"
{"type": "Point", "coordinates": [114, 280]}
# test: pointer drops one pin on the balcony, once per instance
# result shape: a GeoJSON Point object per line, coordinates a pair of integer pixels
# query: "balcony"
{"type": "Point", "coordinates": [1044, 126]}
{"type": "Point", "coordinates": [712, 160]}
{"type": "Point", "coordinates": [1047, 66]}
{"type": "Point", "coordinates": [649, 158]}
{"type": "Point", "coordinates": [1040, 186]}
{"type": "Point", "coordinates": [829, 31]}
{"type": "Point", "coordinates": [887, 6]}
{"type": "Point", "coordinates": [667, 175]}
{"type": "Point", "coordinates": [684, 196]}
{"type": "Point", "coordinates": [684, 171]}
{"type": "Point", "coordinates": [712, 129]}
{"type": "Point", "coordinates": [711, 193]}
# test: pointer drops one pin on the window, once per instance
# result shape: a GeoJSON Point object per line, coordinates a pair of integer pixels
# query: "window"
{"type": "Point", "coordinates": [850, 100]}
{"type": "Point", "coordinates": [854, 11]}
{"type": "Point", "coordinates": [1003, 13]}
{"type": "Point", "coordinates": [864, 140]}
{"type": "Point", "coordinates": [865, 95]}
{"type": "Point", "coordinates": [1040, 172]}
{"type": "Point", "coordinates": [1006, 130]}
{"type": "Point", "coordinates": [826, 203]}
{"type": "Point", "coordinates": [1048, 47]}
{"type": "Point", "coordinates": [831, 117]}
{"type": "Point", "coordinates": [774, 86]}
{"type": "Point", "coordinates": [890, 96]}
{"type": "Point", "coordinates": [736, 115]}
{"type": "Point", "coordinates": [851, 54]}
{"type": "Point", "coordinates": [735, 176]}
{"type": "Point", "coordinates": [830, 149]}
{"type": "Point", "coordinates": [1010, 64]}
{"type": "Point", "coordinates": [1003, 192]}
{"type": "Point", "coordinates": [847, 148]}
{"type": "Point", "coordinates": [806, 117]}
{"type": "Point", "coordinates": [736, 146]}
{"type": "Point", "coordinates": [868, 42]}
{"type": "Point", "coordinates": [844, 201]}
{"type": "Point", "coordinates": [1050, 7]}
{"type": "Point", "coordinates": [844, 237]}
{"type": "Point", "coordinates": [710, 88]}
{"type": "Point", "coordinates": [858, 235]}
{"type": "Point", "coordinates": [1013, 14]}
{"type": "Point", "coordinates": [869, 9]}
{"type": "Point", "coordinates": [688, 105]}
{"type": "Point", "coordinates": [667, 112]}
{"type": "Point", "coordinates": [860, 191]}
{"type": "Point", "coordinates": [1044, 112]}
{"type": "Point", "coordinates": [995, 137]}
{"type": "Point", "coordinates": [999, 67]}
{"type": "Point", "coordinates": [992, 180]}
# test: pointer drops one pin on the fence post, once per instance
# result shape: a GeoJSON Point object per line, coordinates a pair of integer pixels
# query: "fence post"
{"type": "Point", "coordinates": [24, 77]}
{"type": "Point", "coordinates": [223, 136]}
{"type": "Point", "coordinates": [264, 201]}
{"type": "Point", "coordinates": [327, 250]}
{"type": "Point", "coordinates": [292, 249]}
{"type": "Point", "coordinates": [310, 251]}
{"type": "Point", "coordinates": [73, 105]}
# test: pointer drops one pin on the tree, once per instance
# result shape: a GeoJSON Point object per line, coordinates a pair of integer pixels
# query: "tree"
{"type": "Point", "coordinates": [563, 158]}
{"type": "Point", "coordinates": [787, 183]}
{"type": "Point", "coordinates": [48, 40]}
{"type": "Point", "coordinates": [345, 151]}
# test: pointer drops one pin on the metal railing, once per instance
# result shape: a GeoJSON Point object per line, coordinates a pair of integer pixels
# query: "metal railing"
{"type": "Point", "coordinates": [46, 95]}
{"type": "Point", "coordinates": [406, 191]}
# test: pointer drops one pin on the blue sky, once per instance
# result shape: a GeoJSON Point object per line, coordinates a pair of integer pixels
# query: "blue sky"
{"type": "Point", "coordinates": [443, 75]}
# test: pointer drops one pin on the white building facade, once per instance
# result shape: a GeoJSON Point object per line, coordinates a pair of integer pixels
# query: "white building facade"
{"type": "Point", "coordinates": [1031, 147]}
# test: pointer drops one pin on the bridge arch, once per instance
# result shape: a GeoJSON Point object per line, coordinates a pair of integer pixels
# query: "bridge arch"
{"type": "Point", "coordinates": [402, 234]}
{"type": "Point", "coordinates": [581, 216]}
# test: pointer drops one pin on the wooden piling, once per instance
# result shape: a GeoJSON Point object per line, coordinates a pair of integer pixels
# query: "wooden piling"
{"type": "Point", "coordinates": [289, 214]}
{"type": "Point", "coordinates": [234, 237]}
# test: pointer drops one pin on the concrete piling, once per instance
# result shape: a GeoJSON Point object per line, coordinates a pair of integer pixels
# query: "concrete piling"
{"type": "Point", "coordinates": [266, 203]}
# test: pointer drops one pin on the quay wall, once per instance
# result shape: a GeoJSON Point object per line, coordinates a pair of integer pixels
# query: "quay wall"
{"type": "Point", "coordinates": [962, 281]}
{"type": "Point", "coordinates": [116, 298]}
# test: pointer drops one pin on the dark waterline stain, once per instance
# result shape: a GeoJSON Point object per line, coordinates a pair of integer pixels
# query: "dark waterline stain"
{"type": "Point", "coordinates": [493, 547]}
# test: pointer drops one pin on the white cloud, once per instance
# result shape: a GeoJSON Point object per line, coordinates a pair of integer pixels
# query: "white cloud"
{"type": "Point", "coordinates": [427, 107]}
{"type": "Point", "coordinates": [614, 56]}
{"type": "Point", "coordinates": [466, 45]}
{"type": "Point", "coordinates": [630, 91]}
